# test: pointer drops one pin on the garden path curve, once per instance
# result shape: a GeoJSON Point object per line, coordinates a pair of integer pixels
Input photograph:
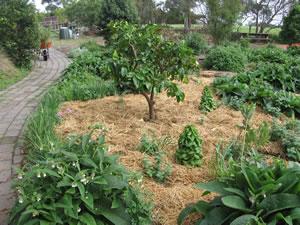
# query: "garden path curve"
{"type": "Point", "coordinates": [16, 104]}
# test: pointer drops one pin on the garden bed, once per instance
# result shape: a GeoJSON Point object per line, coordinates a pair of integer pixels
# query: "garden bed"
{"type": "Point", "coordinates": [123, 117]}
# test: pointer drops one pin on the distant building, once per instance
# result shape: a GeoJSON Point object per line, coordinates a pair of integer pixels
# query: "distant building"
{"type": "Point", "coordinates": [51, 22]}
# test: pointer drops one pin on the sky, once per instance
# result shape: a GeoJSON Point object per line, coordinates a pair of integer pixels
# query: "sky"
{"type": "Point", "coordinates": [39, 6]}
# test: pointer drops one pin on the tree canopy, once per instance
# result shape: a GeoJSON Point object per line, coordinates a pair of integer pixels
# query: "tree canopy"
{"type": "Point", "coordinates": [290, 32]}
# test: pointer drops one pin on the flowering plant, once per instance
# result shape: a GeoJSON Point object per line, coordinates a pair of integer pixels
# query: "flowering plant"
{"type": "Point", "coordinates": [79, 184]}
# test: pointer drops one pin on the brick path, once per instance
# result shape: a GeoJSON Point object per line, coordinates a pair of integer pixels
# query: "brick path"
{"type": "Point", "coordinates": [16, 104]}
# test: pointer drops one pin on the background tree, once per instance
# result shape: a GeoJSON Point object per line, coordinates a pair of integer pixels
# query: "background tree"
{"type": "Point", "coordinates": [117, 10]}
{"type": "Point", "coordinates": [19, 30]}
{"type": "Point", "coordinates": [144, 63]}
{"type": "Point", "coordinates": [146, 10]}
{"type": "Point", "coordinates": [290, 32]}
{"type": "Point", "coordinates": [84, 12]}
{"type": "Point", "coordinates": [265, 13]}
{"type": "Point", "coordinates": [222, 16]}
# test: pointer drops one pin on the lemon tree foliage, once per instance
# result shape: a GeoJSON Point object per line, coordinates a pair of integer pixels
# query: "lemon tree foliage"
{"type": "Point", "coordinates": [189, 150]}
{"type": "Point", "coordinates": [144, 62]}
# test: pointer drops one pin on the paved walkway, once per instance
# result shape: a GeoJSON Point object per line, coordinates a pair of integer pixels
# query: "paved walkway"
{"type": "Point", "coordinates": [16, 104]}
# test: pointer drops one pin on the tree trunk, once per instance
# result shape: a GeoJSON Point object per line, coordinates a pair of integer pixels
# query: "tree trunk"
{"type": "Point", "coordinates": [256, 22]}
{"type": "Point", "coordinates": [151, 103]}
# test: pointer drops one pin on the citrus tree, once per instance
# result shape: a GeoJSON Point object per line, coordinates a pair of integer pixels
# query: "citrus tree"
{"type": "Point", "coordinates": [144, 62]}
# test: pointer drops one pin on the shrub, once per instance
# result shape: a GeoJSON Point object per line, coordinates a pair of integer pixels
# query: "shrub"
{"type": "Point", "coordinates": [269, 54]}
{"type": "Point", "coordinates": [196, 42]}
{"type": "Point", "coordinates": [78, 184]}
{"type": "Point", "coordinates": [189, 150]}
{"type": "Point", "coordinates": [225, 59]}
{"type": "Point", "coordinates": [245, 43]}
{"type": "Point", "coordinates": [251, 194]}
{"type": "Point", "coordinates": [293, 50]}
{"type": "Point", "coordinates": [207, 103]}
{"type": "Point", "coordinates": [19, 31]}
{"type": "Point", "coordinates": [289, 136]}
{"type": "Point", "coordinates": [153, 146]}
{"type": "Point", "coordinates": [158, 170]}
{"type": "Point", "coordinates": [290, 31]}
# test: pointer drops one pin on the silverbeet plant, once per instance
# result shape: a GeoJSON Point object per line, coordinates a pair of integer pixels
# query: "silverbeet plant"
{"type": "Point", "coordinates": [189, 150]}
{"type": "Point", "coordinates": [79, 184]}
{"type": "Point", "coordinates": [251, 195]}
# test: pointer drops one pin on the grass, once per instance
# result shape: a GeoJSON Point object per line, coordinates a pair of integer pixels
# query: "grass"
{"type": "Point", "coordinates": [244, 29]}
{"type": "Point", "coordinates": [7, 80]}
{"type": "Point", "coordinates": [9, 73]}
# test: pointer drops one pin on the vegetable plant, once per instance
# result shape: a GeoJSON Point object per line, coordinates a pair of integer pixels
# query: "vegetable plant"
{"type": "Point", "coordinates": [78, 184]}
{"type": "Point", "coordinates": [251, 194]}
{"type": "Point", "coordinates": [159, 170]}
{"type": "Point", "coordinates": [288, 135]}
{"type": "Point", "coordinates": [207, 103]}
{"type": "Point", "coordinates": [152, 145]}
{"type": "Point", "coordinates": [189, 150]}
{"type": "Point", "coordinates": [144, 62]}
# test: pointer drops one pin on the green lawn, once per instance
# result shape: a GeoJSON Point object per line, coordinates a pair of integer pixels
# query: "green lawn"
{"type": "Point", "coordinates": [7, 79]}
{"type": "Point", "coordinates": [243, 29]}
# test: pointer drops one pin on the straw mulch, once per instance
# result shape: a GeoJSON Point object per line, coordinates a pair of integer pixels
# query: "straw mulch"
{"type": "Point", "coordinates": [124, 118]}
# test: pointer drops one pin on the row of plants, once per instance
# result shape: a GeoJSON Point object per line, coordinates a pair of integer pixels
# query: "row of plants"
{"type": "Point", "coordinates": [272, 81]}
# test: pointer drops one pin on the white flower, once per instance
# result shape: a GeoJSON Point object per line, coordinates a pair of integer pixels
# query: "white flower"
{"type": "Point", "coordinates": [44, 174]}
{"type": "Point", "coordinates": [20, 177]}
{"type": "Point", "coordinates": [38, 175]}
{"type": "Point", "coordinates": [79, 209]}
{"type": "Point", "coordinates": [74, 184]}
{"type": "Point", "coordinates": [21, 200]}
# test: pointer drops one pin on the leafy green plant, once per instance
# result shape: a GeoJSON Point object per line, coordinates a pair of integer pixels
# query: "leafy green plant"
{"type": "Point", "coordinates": [143, 62]}
{"type": "Point", "coordinates": [78, 184]}
{"type": "Point", "coordinates": [251, 194]}
{"type": "Point", "coordinates": [159, 170]}
{"type": "Point", "coordinates": [196, 42]}
{"type": "Point", "coordinates": [268, 87]}
{"type": "Point", "coordinates": [289, 136]}
{"type": "Point", "coordinates": [189, 150]}
{"type": "Point", "coordinates": [269, 54]}
{"type": "Point", "coordinates": [244, 43]}
{"type": "Point", "coordinates": [225, 58]}
{"type": "Point", "coordinates": [207, 103]}
{"type": "Point", "coordinates": [152, 145]}
{"type": "Point", "coordinates": [293, 50]}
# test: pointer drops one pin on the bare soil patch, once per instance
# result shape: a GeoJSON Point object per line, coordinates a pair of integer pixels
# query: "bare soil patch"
{"type": "Point", "coordinates": [124, 119]}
